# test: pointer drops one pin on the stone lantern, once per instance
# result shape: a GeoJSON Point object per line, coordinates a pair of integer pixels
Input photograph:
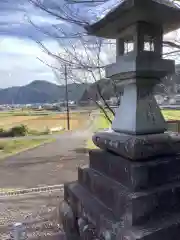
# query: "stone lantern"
{"type": "Point", "coordinates": [131, 190]}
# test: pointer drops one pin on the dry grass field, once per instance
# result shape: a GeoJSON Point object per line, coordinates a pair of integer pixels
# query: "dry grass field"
{"type": "Point", "coordinates": [9, 121]}
{"type": "Point", "coordinates": [41, 123]}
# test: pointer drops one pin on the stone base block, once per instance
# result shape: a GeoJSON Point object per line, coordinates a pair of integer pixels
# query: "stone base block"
{"type": "Point", "coordinates": [133, 174]}
{"type": "Point", "coordinates": [133, 208]}
{"type": "Point", "coordinates": [106, 224]}
{"type": "Point", "coordinates": [120, 199]}
{"type": "Point", "coordinates": [138, 147]}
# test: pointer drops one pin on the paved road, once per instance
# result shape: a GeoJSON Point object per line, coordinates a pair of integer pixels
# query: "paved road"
{"type": "Point", "coordinates": [50, 164]}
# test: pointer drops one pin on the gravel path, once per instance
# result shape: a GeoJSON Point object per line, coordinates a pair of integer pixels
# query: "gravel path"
{"type": "Point", "coordinates": [50, 164]}
{"type": "Point", "coordinates": [38, 212]}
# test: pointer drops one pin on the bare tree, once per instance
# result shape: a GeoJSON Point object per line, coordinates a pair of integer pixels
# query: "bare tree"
{"type": "Point", "coordinates": [85, 56]}
{"type": "Point", "coordinates": [85, 65]}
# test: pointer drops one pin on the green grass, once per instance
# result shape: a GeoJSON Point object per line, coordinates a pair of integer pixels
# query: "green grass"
{"type": "Point", "coordinates": [101, 123]}
{"type": "Point", "coordinates": [13, 146]}
{"type": "Point", "coordinates": [25, 113]}
{"type": "Point", "coordinates": [171, 114]}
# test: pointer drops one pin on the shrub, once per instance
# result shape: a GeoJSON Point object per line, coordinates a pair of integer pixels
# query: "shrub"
{"type": "Point", "coordinates": [18, 131]}
{"type": "Point", "coordinates": [1, 146]}
{"type": "Point", "coordinates": [22, 130]}
{"type": "Point", "coordinates": [1, 130]}
{"type": "Point", "coordinates": [3, 133]}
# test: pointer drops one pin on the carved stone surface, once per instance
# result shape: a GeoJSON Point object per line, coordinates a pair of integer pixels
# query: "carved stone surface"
{"type": "Point", "coordinates": [132, 207]}
{"type": "Point", "coordinates": [86, 229]}
{"type": "Point", "coordinates": [135, 175]}
{"type": "Point", "coordinates": [140, 67]}
{"type": "Point", "coordinates": [68, 221]}
{"type": "Point", "coordinates": [117, 198]}
{"type": "Point", "coordinates": [138, 147]}
{"type": "Point", "coordinates": [138, 112]}
{"type": "Point", "coordinates": [132, 189]}
{"type": "Point", "coordinates": [165, 226]}
{"type": "Point", "coordinates": [129, 12]}
{"type": "Point", "coordinates": [121, 199]}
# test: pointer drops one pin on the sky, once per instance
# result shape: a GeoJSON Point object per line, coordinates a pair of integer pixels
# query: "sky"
{"type": "Point", "coordinates": [19, 52]}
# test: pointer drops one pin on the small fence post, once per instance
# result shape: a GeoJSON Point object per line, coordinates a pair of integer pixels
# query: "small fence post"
{"type": "Point", "coordinates": [19, 232]}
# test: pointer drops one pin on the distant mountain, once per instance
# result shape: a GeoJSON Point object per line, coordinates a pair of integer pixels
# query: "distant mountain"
{"type": "Point", "coordinates": [46, 92]}
{"type": "Point", "coordinates": [40, 92]}
{"type": "Point", "coordinates": [108, 88]}
{"type": "Point", "coordinates": [105, 86]}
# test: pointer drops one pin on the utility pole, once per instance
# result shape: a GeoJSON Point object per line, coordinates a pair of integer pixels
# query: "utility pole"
{"type": "Point", "coordinates": [67, 98]}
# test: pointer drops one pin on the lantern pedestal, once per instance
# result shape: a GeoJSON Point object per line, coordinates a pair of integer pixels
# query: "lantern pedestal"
{"type": "Point", "coordinates": [131, 190]}
{"type": "Point", "coordinates": [138, 147]}
{"type": "Point", "coordinates": [121, 199]}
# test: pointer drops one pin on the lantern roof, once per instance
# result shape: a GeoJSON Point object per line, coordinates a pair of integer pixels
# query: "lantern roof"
{"type": "Point", "coordinates": [116, 15]}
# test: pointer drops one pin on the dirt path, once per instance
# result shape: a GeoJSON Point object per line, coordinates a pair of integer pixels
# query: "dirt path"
{"type": "Point", "coordinates": [50, 164]}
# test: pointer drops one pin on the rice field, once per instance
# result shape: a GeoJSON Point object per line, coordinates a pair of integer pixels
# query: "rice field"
{"type": "Point", "coordinates": [42, 122]}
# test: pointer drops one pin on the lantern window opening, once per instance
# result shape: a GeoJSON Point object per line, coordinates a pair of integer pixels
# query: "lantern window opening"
{"type": "Point", "coordinates": [128, 47]}
{"type": "Point", "coordinates": [149, 44]}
